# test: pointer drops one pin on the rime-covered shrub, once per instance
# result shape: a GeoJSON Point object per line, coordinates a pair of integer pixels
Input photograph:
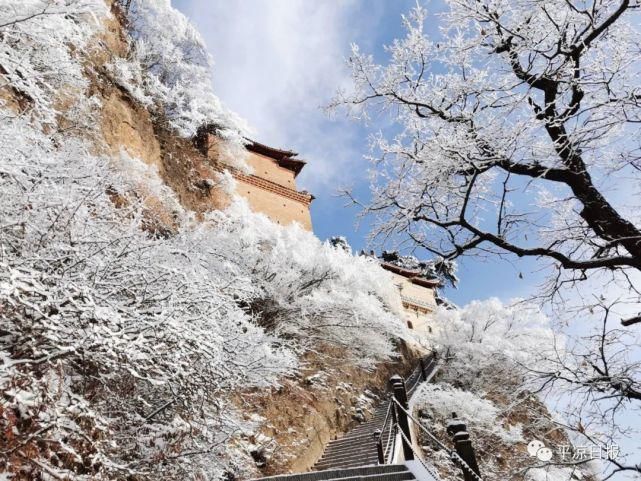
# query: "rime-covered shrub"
{"type": "Point", "coordinates": [487, 351]}
{"type": "Point", "coordinates": [487, 340]}
{"type": "Point", "coordinates": [169, 70]}
{"type": "Point", "coordinates": [310, 291]}
{"type": "Point", "coordinates": [500, 429]}
{"type": "Point", "coordinates": [120, 343]}
{"type": "Point", "coordinates": [40, 43]}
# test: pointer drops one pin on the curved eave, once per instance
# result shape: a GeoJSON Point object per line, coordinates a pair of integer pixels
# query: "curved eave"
{"type": "Point", "coordinates": [285, 158]}
{"type": "Point", "coordinates": [412, 275]}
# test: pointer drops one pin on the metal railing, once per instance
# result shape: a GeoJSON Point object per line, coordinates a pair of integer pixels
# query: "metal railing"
{"type": "Point", "coordinates": [454, 456]}
{"type": "Point", "coordinates": [397, 421]}
{"type": "Point", "coordinates": [386, 436]}
{"type": "Point", "coordinates": [421, 373]}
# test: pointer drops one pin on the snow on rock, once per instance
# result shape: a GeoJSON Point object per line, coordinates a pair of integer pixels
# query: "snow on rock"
{"type": "Point", "coordinates": [169, 71]}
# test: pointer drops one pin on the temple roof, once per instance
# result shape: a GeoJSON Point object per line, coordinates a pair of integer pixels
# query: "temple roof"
{"type": "Point", "coordinates": [285, 158]}
{"type": "Point", "coordinates": [414, 276]}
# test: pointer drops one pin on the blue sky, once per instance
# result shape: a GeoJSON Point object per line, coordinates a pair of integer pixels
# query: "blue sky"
{"type": "Point", "coordinates": [278, 62]}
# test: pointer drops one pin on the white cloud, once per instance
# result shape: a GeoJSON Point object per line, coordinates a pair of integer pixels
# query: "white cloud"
{"type": "Point", "coordinates": [277, 63]}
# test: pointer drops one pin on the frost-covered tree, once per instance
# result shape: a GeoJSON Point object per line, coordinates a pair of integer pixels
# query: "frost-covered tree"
{"type": "Point", "coordinates": [511, 119]}
{"type": "Point", "coordinates": [516, 123]}
{"type": "Point", "coordinates": [487, 350]}
{"type": "Point", "coordinates": [515, 133]}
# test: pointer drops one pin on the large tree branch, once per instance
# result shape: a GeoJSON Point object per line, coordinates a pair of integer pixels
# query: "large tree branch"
{"type": "Point", "coordinates": [584, 43]}
{"type": "Point", "coordinates": [597, 212]}
{"type": "Point", "coordinates": [481, 236]}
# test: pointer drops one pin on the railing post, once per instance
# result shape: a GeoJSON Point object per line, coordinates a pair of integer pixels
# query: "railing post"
{"type": "Point", "coordinates": [423, 369]}
{"type": "Point", "coordinates": [398, 390]}
{"type": "Point", "coordinates": [379, 446]}
{"type": "Point", "coordinates": [457, 429]}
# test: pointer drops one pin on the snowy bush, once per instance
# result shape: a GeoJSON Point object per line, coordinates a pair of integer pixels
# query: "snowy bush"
{"type": "Point", "coordinates": [169, 70]}
{"type": "Point", "coordinates": [309, 290]}
{"type": "Point", "coordinates": [487, 340]}
{"type": "Point", "coordinates": [114, 341]}
{"type": "Point", "coordinates": [37, 35]}
{"type": "Point", "coordinates": [486, 350]}
{"type": "Point", "coordinates": [500, 430]}
{"type": "Point", "coordinates": [122, 341]}
{"type": "Point", "coordinates": [439, 401]}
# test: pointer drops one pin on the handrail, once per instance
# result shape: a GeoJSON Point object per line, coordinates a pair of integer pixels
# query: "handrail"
{"type": "Point", "coordinates": [386, 450]}
{"type": "Point", "coordinates": [422, 371]}
{"type": "Point", "coordinates": [454, 456]}
{"type": "Point", "coordinates": [396, 410]}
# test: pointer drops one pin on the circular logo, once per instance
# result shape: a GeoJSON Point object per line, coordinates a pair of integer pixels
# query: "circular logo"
{"type": "Point", "coordinates": [537, 449]}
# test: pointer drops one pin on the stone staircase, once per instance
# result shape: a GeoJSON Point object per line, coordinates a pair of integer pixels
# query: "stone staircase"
{"type": "Point", "coordinates": [358, 446]}
{"type": "Point", "coordinates": [387, 472]}
{"type": "Point", "coordinates": [365, 452]}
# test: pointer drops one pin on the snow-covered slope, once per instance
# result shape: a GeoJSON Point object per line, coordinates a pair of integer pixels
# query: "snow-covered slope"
{"type": "Point", "coordinates": [130, 321]}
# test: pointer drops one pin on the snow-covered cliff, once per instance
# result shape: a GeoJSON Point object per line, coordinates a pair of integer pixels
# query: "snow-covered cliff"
{"type": "Point", "coordinates": [135, 318]}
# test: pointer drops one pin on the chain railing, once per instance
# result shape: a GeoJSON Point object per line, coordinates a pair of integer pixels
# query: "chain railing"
{"type": "Point", "coordinates": [386, 436]}
{"type": "Point", "coordinates": [398, 418]}
{"type": "Point", "coordinates": [469, 471]}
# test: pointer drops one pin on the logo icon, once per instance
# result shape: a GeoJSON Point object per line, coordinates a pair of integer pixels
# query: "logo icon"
{"type": "Point", "coordinates": [536, 449]}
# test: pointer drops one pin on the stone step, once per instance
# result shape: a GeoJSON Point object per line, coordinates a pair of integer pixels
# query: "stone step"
{"type": "Point", "coordinates": [367, 455]}
{"type": "Point", "coordinates": [402, 476]}
{"type": "Point", "coordinates": [364, 430]}
{"type": "Point", "coordinates": [319, 475]}
{"type": "Point", "coordinates": [351, 439]}
{"type": "Point", "coordinates": [368, 443]}
{"type": "Point", "coordinates": [347, 464]}
{"type": "Point", "coordinates": [373, 426]}
{"type": "Point", "coordinates": [369, 426]}
{"type": "Point", "coordinates": [337, 457]}
{"type": "Point", "coordinates": [331, 450]}
{"type": "Point", "coordinates": [365, 452]}
{"type": "Point", "coordinates": [365, 427]}
{"type": "Point", "coordinates": [362, 460]}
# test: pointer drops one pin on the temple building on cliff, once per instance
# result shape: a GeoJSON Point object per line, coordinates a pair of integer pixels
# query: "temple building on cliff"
{"type": "Point", "coordinates": [271, 189]}
{"type": "Point", "coordinates": [417, 295]}
{"type": "Point", "coordinates": [271, 186]}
